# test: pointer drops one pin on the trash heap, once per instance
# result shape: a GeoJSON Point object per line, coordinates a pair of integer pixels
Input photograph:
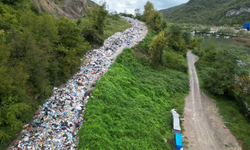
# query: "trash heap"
{"type": "Point", "coordinates": [57, 122]}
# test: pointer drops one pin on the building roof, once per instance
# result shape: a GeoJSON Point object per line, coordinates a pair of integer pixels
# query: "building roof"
{"type": "Point", "coordinates": [246, 25]}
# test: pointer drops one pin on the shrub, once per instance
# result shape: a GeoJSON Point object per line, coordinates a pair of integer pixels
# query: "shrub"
{"type": "Point", "coordinates": [173, 60]}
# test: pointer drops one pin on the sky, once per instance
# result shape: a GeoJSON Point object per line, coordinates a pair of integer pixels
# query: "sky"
{"type": "Point", "coordinates": [131, 5]}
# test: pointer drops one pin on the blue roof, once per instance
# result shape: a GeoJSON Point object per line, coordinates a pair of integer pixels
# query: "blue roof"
{"type": "Point", "coordinates": [178, 141]}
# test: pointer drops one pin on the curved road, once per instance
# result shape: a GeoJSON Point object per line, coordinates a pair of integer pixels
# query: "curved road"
{"type": "Point", "coordinates": [204, 128]}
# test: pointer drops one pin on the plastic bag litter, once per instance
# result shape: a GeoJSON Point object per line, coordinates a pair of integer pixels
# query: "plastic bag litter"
{"type": "Point", "coordinates": [57, 123]}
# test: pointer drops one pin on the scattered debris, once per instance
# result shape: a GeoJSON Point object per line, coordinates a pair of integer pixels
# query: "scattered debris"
{"type": "Point", "coordinates": [56, 124]}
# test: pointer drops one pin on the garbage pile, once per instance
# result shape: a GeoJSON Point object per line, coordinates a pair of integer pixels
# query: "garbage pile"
{"type": "Point", "coordinates": [57, 122]}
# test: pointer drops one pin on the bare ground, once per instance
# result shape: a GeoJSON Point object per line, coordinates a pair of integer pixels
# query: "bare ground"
{"type": "Point", "coordinates": [204, 128]}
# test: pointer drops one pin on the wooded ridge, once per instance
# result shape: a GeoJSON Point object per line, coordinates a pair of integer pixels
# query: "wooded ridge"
{"type": "Point", "coordinates": [212, 12]}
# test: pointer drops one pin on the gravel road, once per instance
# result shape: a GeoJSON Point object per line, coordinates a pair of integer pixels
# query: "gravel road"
{"type": "Point", "coordinates": [204, 128]}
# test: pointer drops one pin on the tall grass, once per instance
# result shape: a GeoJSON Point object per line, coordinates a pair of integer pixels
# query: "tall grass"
{"type": "Point", "coordinates": [112, 26]}
{"type": "Point", "coordinates": [130, 107]}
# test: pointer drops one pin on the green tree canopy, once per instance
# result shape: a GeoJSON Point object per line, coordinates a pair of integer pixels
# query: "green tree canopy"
{"type": "Point", "coordinates": [148, 8]}
{"type": "Point", "coordinates": [157, 47]}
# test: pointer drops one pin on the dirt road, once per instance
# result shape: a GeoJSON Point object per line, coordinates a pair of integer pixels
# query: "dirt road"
{"type": "Point", "coordinates": [203, 126]}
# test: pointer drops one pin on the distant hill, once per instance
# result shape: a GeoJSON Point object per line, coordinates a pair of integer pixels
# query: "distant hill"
{"type": "Point", "coordinates": [170, 10]}
{"type": "Point", "coordinates": [213, 12]}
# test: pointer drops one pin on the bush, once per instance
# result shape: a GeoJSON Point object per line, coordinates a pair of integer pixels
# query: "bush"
{"type": "Point", "coordinates": [173, 60]}
{"type": "Point", "coordinates": [246, 144]}
{"type": "Point", "coordinates": [144, 45]}
{"type": "Point", "coordinates": [196, 51]}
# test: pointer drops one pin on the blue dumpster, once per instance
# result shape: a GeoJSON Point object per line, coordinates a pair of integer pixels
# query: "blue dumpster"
{"type": "Point", "coordinates": [178, 141]}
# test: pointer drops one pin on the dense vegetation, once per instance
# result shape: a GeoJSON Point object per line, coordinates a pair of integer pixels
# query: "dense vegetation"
{"type": "Point", "coordinates": [224, 75]}
{"type": "Point", "coordinates": [224, 71]}
{"type": "Point", "coordinates": [212, 12]}
{"type": "Point", "coordinates": [115, 24]}
{"type": "Point", "coordinates": [38, 52]}
{"type": "Point", "coordinates": [130, 107]}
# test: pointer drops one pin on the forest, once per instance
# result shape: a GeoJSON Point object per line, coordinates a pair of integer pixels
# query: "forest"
{"type": "Point", "coordinates": [212, 12]}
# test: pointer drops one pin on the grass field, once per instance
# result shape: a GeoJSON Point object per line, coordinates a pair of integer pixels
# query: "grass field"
{"type": "Point", "coordinates": [130, 107]}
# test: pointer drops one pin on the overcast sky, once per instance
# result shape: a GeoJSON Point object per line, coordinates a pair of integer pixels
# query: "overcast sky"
{"type": "Point", "coordinates": [131, 5]}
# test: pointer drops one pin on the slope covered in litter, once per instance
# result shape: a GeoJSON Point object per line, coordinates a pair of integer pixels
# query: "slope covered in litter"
{"type": "Point", "coordinates": [56, 124]}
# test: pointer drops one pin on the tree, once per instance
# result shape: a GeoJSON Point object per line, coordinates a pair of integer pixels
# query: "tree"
{"type": "Point", "coordinates": [231, 31]}
{"type": "Point", "coordinates": [5, 78]}
{"type": "Point", "coordinates": [71, 46]}
{"type": "Point", "coordinates": [157, 47]}
{"type": "Point", "coordinates": [164, 24]}
{"type": "Point", "coordinates": [242, 88]}
{"type": "Point", "coordinates": [11, 2]}
{"type": "Point", "coordinates": [26, 51]}
{"type": "Point", "coordinates": [96, 17]}
{"type": "Point", "coordinates": [42, 27]}
{"type": "Point", "coordinates": [9, 16]}
{"type": "Point", "coordinates": [241, 33]}
{"type": "Point", "coordinates": [153, 17]}
{"type": "Point", "coordinates": [207, 30]}
{"type": "Point", "coordinates": [175, 61]}
{"type": "Point", "coordinates": [155, 20]}
{"type": "Point", "coordinates": [219, 78]}
{"type": "Point", "coordinates": [187, 37]}
{"type": "Point", "coordinates": [148, 8]}
{"type": "Point", "coordinates": [11, 111]}
{"type": "Point", "coordinates": [138, 14]}
{"type": "Point", "coordinates": [207, 57]}
{"type": "Point", "coordinates": [176, 42]}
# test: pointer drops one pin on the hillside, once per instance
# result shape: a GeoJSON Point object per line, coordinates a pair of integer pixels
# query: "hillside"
{"type": "Point", "coordinates": [214, 12]}
{"type": "Point", "coordinates": [71, 8]}
{"type": "Point", "coordinates": [38, 52]}
{"type": "Point", "coordinates": [170, 10]}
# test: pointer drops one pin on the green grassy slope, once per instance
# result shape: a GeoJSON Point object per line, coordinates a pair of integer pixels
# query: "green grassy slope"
{"type": "Point", "coordinates": [211, 12]}
{"type": "Point", "coordinates": [112, 26]}
{"type": "Point", "coordinates": [130, 107]}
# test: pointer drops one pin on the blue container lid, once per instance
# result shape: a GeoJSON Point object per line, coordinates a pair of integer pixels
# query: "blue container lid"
{"type": "Point", "coordinates": [178, 141]}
